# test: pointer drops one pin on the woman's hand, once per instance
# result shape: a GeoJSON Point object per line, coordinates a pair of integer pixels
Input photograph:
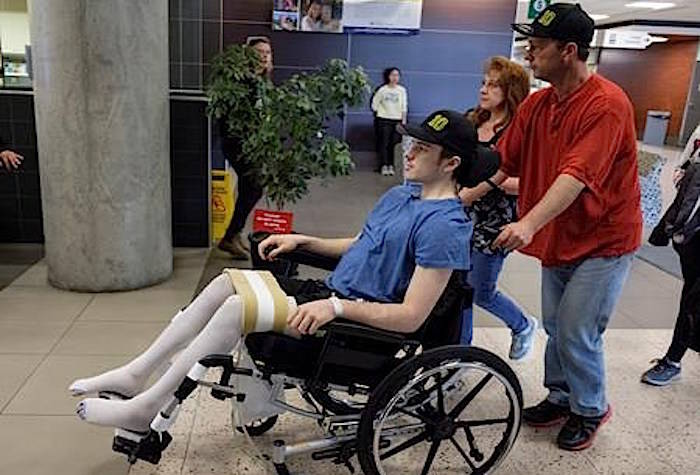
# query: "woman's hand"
{"type": "Point", "coordinates": [678, 175]}
{"type": "Point", "coordinates": [469, 196]}
{"type": "Point", "coordinates": [309, 317]}
{"type": "Point", "coordinates": [277, 244]}
{"type": "Point", "coordinates": [10, 159]}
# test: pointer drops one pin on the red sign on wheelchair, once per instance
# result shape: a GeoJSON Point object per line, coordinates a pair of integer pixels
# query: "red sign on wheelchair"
{"type": "Point", "coordinates": [276, 222]}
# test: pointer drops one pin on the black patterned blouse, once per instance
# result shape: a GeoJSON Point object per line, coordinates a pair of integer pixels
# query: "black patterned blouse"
{"type": "Point", "coordinates": [491, 213]}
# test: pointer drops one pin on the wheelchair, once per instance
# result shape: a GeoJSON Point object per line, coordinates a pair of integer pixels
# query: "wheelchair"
{"type": "Point", "coordinates": [398, 403]}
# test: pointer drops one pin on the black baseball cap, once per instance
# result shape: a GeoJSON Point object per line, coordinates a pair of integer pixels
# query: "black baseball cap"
{"type": "Point", "coordinates": [560, 21]}
{"type": "Point", "coordinates": [457, 135]}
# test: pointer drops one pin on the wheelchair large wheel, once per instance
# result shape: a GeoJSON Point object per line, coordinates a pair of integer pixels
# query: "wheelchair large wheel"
{"type": "Point", "coordinates": [453, 409]}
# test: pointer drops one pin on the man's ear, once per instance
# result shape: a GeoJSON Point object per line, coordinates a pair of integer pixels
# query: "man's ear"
{"type": "Point", "coordinates": [452, 163]}
{"type": "Point", "coordinates": [571, 51]}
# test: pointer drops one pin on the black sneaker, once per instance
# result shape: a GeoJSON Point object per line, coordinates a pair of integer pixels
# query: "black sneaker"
{"type": "Point", "coordinates": [663, 373]}
{"type": "Point", "coordinates": [579, 431]}
{"type": "Point", "coordinates": [545, 414]}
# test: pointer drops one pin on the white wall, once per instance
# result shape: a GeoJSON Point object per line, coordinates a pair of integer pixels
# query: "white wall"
{"type": "Point", "coordinates": [14, 31]}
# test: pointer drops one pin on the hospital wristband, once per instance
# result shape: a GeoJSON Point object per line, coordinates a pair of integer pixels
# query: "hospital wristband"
{"type": "Point", "coordinates": [337, 306]}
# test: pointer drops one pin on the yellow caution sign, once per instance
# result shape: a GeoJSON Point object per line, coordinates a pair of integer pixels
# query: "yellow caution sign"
{"type": "Point", "coordinates": [223, 199]}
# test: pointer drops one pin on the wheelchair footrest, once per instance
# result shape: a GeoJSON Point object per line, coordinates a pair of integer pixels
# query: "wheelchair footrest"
{"type": "Point", "coordinates": [149, 448]}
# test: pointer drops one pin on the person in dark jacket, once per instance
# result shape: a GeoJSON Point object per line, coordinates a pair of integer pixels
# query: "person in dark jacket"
{"type": "Point", "coordinates": [681, 226]}
{"type": "Point", "coordinates": [249, 190]}
{"type": "Point", "coordinates": [9, 159]}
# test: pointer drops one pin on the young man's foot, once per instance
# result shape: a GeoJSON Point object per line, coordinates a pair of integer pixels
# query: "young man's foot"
{"type": "Point", "coordinates": [545, 414]}
{"type": "Point", "coordinates": [522, 342]}
{"type": "Point", "coordinates": [235, 247]}
{"type": "Point", "coordinates": [120, 381]}
{"type": "Point", "coordinates": [579, 432]}
{"type": "Point", "coordinates": [664, 372]}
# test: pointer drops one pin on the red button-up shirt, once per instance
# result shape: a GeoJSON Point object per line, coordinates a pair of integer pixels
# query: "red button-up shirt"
{"type": "Point", "coordinates": [591, 136]}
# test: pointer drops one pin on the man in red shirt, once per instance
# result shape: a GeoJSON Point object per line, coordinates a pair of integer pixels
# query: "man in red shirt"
{"type": "Point", "coordinates": [573, 145]}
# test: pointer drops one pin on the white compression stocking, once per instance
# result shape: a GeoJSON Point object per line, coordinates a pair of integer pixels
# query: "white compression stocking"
{"type": "Point", "coordinates": [220, 335]}
{"type": "Point", "coordinates": [130, 379]}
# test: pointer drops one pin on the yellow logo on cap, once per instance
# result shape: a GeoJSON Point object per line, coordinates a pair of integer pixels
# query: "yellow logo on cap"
{"type": "Point", "coordinates": [547, 18]}
{"type": "Point", "coordinates": [438, 122]}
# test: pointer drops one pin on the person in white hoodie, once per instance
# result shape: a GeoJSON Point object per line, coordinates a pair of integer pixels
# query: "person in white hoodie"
{"type": "Point", "coordinates": [390, 106]}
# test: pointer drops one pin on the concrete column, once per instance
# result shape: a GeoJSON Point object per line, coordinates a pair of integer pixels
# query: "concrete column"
{"type": "Point", "coordinates": [102, 113]}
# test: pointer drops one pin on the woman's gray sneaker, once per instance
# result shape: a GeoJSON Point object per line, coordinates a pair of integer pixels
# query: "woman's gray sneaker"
{"type": "Point", "coordinates": [522, 342]}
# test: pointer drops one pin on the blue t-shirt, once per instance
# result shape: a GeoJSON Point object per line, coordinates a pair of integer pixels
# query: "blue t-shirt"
{"type": "Point", "coordinates": [402, 231]}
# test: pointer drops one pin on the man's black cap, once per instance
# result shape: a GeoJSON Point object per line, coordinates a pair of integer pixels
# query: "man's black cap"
{"type": "Point", "coordinates": [452, 131]}
{"type": "Point", "coordinates": [560, 21]}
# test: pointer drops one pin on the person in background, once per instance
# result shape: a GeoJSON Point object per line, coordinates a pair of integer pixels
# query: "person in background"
{"type": "Point", "coordinates": [9, 159]}
{"type": "Point", "coordinates": [574, 147]}
{"type": "Point", "coordinates": [506, 84]}
{"type": "Point", "coordinates": [329, 23]}
{"type": "Point", "coordinates": [249, 190]}
{"type": "Point", "coordinates": [681, 225]}
{"type": "Point", "coordinates": [312, 20]}
{"type": "Point", "coordinates": [390, 106]}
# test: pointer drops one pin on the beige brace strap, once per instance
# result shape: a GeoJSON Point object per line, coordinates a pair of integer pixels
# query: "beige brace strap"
{"type": "Point", "coordinates": [265, 305]}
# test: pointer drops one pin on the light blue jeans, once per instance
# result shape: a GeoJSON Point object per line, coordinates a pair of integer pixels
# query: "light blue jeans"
{"type": "Point", "coordinates": [483, 278]}
{"type": "Point", "coordinates": [577, 302]}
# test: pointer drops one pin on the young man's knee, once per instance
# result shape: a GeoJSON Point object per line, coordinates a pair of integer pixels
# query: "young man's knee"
{"type": "Point", "coordinates": [230, 313]}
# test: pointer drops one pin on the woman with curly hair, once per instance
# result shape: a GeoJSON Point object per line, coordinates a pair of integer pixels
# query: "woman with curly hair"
{"type": "Point", "coordinates": [506, 84]}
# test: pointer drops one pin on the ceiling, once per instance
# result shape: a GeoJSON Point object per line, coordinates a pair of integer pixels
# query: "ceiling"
{"type": "Point", "coordinates": [685, 10]}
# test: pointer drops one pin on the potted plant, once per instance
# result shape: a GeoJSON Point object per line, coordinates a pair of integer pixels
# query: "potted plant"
{"type": "Point", "coordinates": [283, 127]}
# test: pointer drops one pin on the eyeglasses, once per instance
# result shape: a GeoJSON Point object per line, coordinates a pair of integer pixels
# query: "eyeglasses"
{"type": "Point", "coordinates": [531, 48]}
{"type": "Point", "coordinates": [490, 84]}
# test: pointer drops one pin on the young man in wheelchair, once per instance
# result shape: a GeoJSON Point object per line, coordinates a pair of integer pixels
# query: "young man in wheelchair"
{"type": "Point", "coordinates": [390, 276]}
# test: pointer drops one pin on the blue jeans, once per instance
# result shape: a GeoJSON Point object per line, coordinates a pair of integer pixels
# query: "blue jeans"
{"type": "Point", "coordinates": [483, 279]}
{"type": "Point", "coordinates": [577, 301]}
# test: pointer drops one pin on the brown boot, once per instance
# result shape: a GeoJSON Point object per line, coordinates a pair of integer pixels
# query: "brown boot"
{"type": "Point", "coordinates": [235, 247]}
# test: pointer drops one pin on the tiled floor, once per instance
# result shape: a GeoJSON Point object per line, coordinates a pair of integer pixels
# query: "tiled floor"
{"type": "Point", "coordinates": [49, 337]}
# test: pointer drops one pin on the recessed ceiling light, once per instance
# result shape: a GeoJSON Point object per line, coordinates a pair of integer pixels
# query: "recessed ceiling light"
{"type": "Point", "coordinates": [651, 5]}
{"type": "Point", "coordinates": [599, 17]}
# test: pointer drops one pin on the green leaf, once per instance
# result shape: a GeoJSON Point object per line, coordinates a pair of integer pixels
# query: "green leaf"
{"type": "Point", "coordinates": [279, 125]}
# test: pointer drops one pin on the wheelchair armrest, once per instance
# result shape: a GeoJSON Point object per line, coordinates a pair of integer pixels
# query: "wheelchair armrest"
{"type": "Point", "coordinates": [298, 256]}
{"type": "Point", "coordinates": [310, 259]}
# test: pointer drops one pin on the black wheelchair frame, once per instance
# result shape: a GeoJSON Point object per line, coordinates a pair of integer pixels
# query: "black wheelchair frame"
{"type": "Point", "coordinates": [367, 388]}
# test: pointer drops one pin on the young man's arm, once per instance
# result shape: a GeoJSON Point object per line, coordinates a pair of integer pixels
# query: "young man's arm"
{"type": "Point", "coordinates": [423, 292]}
{"type": "Point", "coordinates": [284, 243]}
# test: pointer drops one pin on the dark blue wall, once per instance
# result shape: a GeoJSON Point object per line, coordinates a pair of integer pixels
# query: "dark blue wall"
{"type": "Point", "coordinates": [441, 65]}
{"type": "Point", "coordinates": [20, 195]}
